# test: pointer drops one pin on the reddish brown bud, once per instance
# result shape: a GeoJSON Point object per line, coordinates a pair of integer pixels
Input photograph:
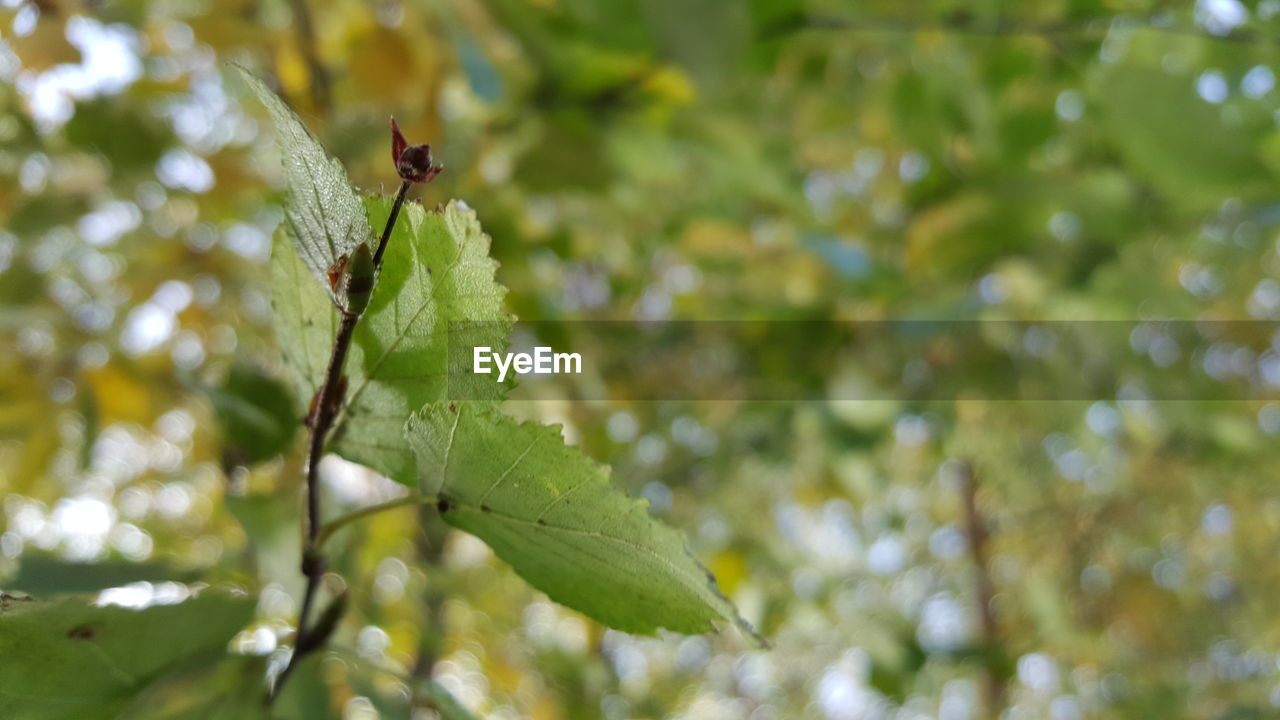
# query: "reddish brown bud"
{"type": "Point", "coordinates": [398, 143]}
{"type": "Point", "coordinates": [413, 162]}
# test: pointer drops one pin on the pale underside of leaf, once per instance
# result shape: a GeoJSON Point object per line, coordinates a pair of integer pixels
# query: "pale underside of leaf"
{"type": "Point", "coordinates": [305, 320]}
{"type": "Point", "coordinates": [551, 513]}
{"type": "Point", "coordinates": [436, 284]}
{"type": "Point", "coordinates": [323, 215]}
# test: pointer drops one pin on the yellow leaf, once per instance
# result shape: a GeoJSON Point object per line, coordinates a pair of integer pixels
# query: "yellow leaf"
{"type": "Point", "coordinates": [710, 237]}
{"type": "Point", "coordinates": [121, 398]}
{"type": "Point", "coordinates": [46, 46]}
{"type": "Point", "coordinates": [38, 448]}
{"type": "Point", "coordinates": [226, 29]}
{"type": "Point", "coordinates": [381, 63]}
{"type": "Point", "coordinates": [730, 569]}
{"type": "Point", "coordinates": [292, 71]}
{"type": "Point", "coordinates": [671, 85]}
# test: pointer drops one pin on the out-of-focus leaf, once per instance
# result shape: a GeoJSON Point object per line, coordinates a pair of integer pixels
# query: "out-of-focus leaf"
{"type": "Point", "coordinates": [256, 412]}
{"type": "Point", "coordinates": [895, 665]}
{"type": "Point", "coordinates": [22, 403]}
{"type": "Point", "coordinates": [306, 695]}
{"type": "Point", "coordinates": [434, 695]}
{"type": "Point", "coordinates": [128, 136]}
{"type": "Point", "coordinates": [233, 689]}
{"type": "Point", "coordinates": [121, 395]}
{"type": "Point", "coordinates": [964, 233]}
{"type": "Point", "coordinates": [224, 30]}
{"type": "Point", "coordinates": [44, 575]}
{"type": "Point", "coordinates": [88, 402]}
{"type": "Point", "coordinates": [375, 51]}
{"type": "Point", "coordinates": [1174, 138]}
{"type": "Point", "coordinates": [70, 659]}
{"type": "Point", "coordinates": [369, 680]}
{"type": "Point", "coordinates": [46, 45]}
{"type": "Point", "coordinates": [323, 214]}
{"type": "Point", "coordinates": [35, 216]}
{"type": "Point", "coordinates": [38, 449]}
{"type": "Point", "coordinates": [271, 522]}
{"type": "Point", "coordinates": [547, 166]}
{"type": "Point", "coordinates": [436, 272]}
{"type": "Point", "coordinates": [551, 513]}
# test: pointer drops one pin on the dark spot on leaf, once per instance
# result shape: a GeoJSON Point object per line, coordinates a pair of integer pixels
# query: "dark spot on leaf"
{"type": "Point", "coordinates": [443, 504]}
{"type": "Point", "coordinates": [453, 407]}
{"type": "Point", "coordinates": [541, 521]}
{"type": "Point", "coordinates": [485, 508]}
{"type": "Point", "coordinates": [7, 600]}
{"type": "Point", "coordinates": [82, 632]}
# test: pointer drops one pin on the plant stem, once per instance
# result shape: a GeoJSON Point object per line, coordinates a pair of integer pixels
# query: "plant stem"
{"type": "Point", "coordinates": [327, 403]}
{"type": "Point", "coordinates": [430, 544]}
{"type": "Point", "coordinates": [391, 222]}
{"type": "Point", "coordinates": [337, 524]}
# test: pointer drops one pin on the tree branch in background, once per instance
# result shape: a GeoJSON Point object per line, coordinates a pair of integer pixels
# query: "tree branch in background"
{"type": "Point", "coordinates": [993, 686]}
{"type": "Point", "coordinates": [319, 77]}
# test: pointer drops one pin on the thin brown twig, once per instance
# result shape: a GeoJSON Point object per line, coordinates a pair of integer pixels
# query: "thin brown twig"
{"type": "Point", "coordinates": [984, 590]}
{"type": "Point", "coordinates": [328, 402]}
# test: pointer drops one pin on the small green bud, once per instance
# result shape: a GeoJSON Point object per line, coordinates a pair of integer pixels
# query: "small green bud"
{"type": "Point", "coordinates": [359, 282]}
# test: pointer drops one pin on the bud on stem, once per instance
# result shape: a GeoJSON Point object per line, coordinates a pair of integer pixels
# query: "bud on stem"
{"type": "Point", "coordinates": [413, 162]}
{"type": "Point", "coordinates": [360, 279]}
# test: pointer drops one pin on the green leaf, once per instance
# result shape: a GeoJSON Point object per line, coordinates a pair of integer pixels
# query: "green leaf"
{"type": "Point", "coordinates": [70, 659]}
{"type": "Point", "coordinates": [1176, 140]}
{"type": "Point", "coordinates": [44, 574]}
{"type": "Point", "coordinates": [551, 513]}
{"type": "Point", "coordinates": [323, 214]}
{"type": "Point", "coordinates": [436, 278]}
{"type": "Point", "coordinates": [306, 695]}
{"type": "Point", "coordinates": [233, 689]}
{"type": "Point", "coordinates": [256, 413]}
{"type": "Point", "coordinates": [305, 319]}
{"type": "Point", "coordinates": [270, 521]}
{"type": "Point", "coordinates": [129, 136]}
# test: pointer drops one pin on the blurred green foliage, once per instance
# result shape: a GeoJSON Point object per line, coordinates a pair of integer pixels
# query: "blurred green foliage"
{"type": "Point", "coordinates": [789, 160]}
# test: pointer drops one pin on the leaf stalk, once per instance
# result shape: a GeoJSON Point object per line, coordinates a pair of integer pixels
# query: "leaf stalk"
{"type": "Point", "coordinates": [328, 529]}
